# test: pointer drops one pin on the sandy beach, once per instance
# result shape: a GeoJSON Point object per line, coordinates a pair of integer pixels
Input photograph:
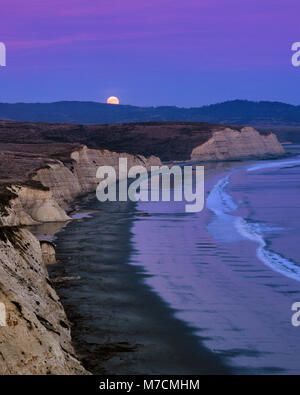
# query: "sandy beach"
{"type": "Point", "coordinates": [120, 326]}
{"type": "Point", "coordinates": [151, 290]}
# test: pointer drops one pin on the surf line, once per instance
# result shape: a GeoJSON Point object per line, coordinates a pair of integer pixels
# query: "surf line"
{"type": "Point", "coordinates": [222, 203]}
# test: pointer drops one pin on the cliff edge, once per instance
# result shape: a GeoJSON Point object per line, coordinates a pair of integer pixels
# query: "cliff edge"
{"type": "Point", "coordinates": [232, 144]}
{"type": "Point", "coordinates": [38, 184]}
{"type": "Point", "coordinates": [36, 338]}
{"type": "Point", "coordinates": [170, 141]}
{"type": "Point", "coordinates": [42, 172]}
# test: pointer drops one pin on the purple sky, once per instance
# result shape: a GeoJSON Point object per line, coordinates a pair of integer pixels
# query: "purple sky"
{"type": "Point", "coordinates": [149, 52]}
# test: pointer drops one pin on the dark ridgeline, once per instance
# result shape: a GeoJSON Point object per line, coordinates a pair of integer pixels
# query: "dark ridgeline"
{"type": "Point", "coordinates": [234, 112]}
{"type": "Point", "coordinates": [280, 118]}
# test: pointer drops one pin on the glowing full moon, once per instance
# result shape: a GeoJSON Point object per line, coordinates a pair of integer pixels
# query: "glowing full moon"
{"type": "Point", "coordinates": [113, 100]}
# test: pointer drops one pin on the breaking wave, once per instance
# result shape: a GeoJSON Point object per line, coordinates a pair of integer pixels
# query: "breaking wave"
{"type": "Point", "coordinates": [226, 227]}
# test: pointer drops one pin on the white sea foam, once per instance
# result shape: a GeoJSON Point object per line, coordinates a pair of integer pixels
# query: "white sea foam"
{"type": "Point", "coordinates": [277, 262]}
{"type": "Point", "coordinates": [226, 227]}
{"type": "Point", "coordinates": [221, 203]}
{"type": "Point", "coordinates": [274, 164]}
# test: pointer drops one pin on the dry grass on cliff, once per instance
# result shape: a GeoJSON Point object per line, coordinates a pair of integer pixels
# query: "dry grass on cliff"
{"type": "Point", "coordinates": [167, 140]}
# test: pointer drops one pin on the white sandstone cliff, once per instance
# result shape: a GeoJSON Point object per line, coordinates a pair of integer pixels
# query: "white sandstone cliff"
{"type": "Point", "coordinates": [61, 183]}
{"type": "Point", "coordinates": [77, 177]}
{"type": "Point", "coordinates": [36, 338]}
{"type": "Point", "coordinates": [229, 144]}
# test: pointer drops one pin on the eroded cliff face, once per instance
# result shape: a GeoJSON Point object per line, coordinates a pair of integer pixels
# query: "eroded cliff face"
{"type": "Point", "coordinates": [170, 141]}
{"type": "Point", "coordinates": [77, 177]}
{"type": "Point", "coordinates": [30, 206]}
{"type": "Point", "coordinates": [48, 252]}
{"type": "Point", "coordinates": [36, 338]}
{"type": "Point", "coordinates": [58, 183]}
{"type": "Point", "coordinates": [229, 144]}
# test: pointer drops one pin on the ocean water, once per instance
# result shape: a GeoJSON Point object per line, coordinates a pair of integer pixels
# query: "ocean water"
{"type": "Point", "coordinates": [225, 278]}
{"type": "Point", "coordinates": [232, 272]}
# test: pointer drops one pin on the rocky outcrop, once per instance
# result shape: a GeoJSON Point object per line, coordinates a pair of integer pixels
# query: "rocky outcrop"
{"type": "Point", "coordinates": [38, 182]}
{"type": "Point", "coordinates": [36, 338]}
{"type": "Point", "coordinates": [30, 206]}
{"type": "Point", "coordinates": [48, 191]}
{"type": "Point", "coordinates": [233, 144]}
{"type": "Point", "coordinates": [67, 181]}
{"type": "Point", "coordinates": [48, 252]}
{"type": "Point", "coordinates": [170, 141]}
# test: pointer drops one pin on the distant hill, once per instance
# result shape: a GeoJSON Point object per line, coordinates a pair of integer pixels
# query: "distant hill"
{"type": "Point", "coordinates": [234, 112]}
{"type": "Point", "coordinates": [282, 118]}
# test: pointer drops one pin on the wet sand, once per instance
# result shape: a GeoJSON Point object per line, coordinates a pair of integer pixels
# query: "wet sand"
{"type": "Point", "coordinates": [119, 325]}
{"type": "Point", "coordinates": [161, 292]}
{"type": "Point", "coordinates": [232, 277]}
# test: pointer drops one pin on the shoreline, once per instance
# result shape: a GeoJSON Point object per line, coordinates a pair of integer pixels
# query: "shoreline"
{"type": "Point", "coordinates": [39, 190]}
{"type": "Point", "coordinates": [132, 352]}
{"type": "Point", "coordinates": [120, 342]}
